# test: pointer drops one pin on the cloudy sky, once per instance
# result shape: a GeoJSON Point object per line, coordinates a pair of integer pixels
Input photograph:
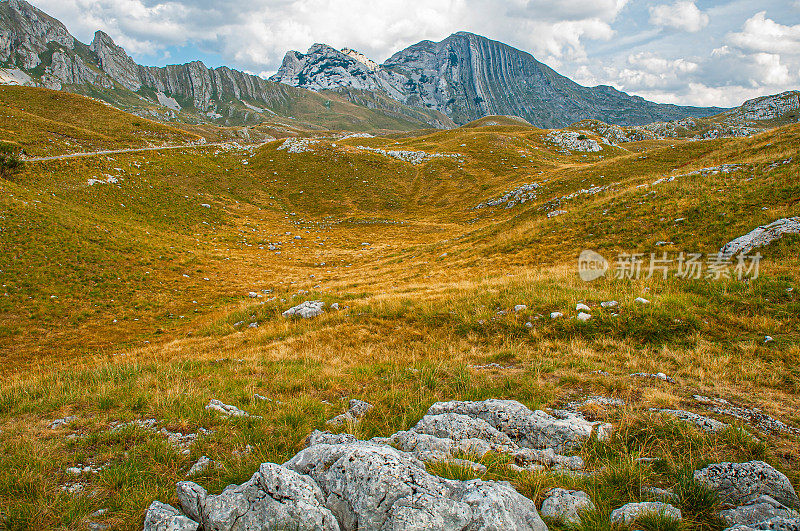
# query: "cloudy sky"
{"type": "Point", "coordinates": [698, 52]}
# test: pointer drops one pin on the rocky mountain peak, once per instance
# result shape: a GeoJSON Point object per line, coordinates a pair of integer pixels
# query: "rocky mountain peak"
{"type": "Point", "coordinates": [115, 61]}
{"type": "Point", "coordinates": [324, 67]}
{"type": "Point", "coordinates": [361, 58]}
{"type": "Point", "coordinates": [468, 76]}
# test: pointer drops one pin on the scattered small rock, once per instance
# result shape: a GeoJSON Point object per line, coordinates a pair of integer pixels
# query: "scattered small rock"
{"type": "Point", "coordinates": [704, 423]}
{"type": "Point", "coordinates": [566, 505]}
{"type": "Point", "coordinates": [62, 422]}
{"type": "Point", "coordinates": [490, 366]}
{"type": "Point", "coordinates": [357, 409]}
{"type": "Point", "coordinates": [658, 376]}
{"type": "Point", "coordinates": [201, 466]}
{"type": "Point", "coordinates": [225, 409]}
{"type": "Point", "coordinates": [73, 488]}
{"type": "Point", "coordinates": [628, 514]}
{"type": "Point", "coordinates": [306, 310]}
{"type": "Point", "coordinates": [753, 416]}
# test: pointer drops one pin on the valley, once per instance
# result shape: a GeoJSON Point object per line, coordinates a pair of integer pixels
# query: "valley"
{"type": "Point", "coordinates": [455, 290]}
{"type": "Point", "coordinates": [138, 287]}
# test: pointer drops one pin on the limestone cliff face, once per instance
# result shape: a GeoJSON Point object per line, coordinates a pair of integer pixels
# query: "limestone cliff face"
{"type": "Point", "coordinates": [38, 50]}
{"type": "Point", "coordinates": [68, 68]}
{"type": "Point", "coordinates": [115, 61]}
{"type": "Point", "coordinates": [467, 76]}
{"type": "Point", "coordinates": [26, 31]}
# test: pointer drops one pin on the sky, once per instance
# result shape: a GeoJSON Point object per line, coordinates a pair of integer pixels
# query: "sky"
{"type": "Point", "coordinates": [691, 52]}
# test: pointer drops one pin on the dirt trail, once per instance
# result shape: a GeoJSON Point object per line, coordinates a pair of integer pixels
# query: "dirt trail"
{"type": "Point", "coordinates": [128, 150]}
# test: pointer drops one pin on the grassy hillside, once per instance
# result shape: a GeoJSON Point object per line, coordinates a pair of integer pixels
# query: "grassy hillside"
{"type": "Point", "coordinates": [290, 106]}
{"type": "Point", "coordinates": [45, 122]}
{"type": "Point", "coordinates": [129, 300]}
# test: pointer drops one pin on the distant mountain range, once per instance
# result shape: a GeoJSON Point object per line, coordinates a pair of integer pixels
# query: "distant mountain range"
{"type": "Point", "coordinates": [467, 76]}
{"type": "Point", "coordinates": [430, 84]}
{"type": "Point", "coordinates": [37, 49]}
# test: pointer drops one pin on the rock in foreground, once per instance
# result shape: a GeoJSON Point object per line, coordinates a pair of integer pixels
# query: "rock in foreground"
{"type": "Point", "coordinates": [761, 509]}
{"type": "Point", "coordinates": [528, 429]}
{"type": "Point", "coordinates": [163, 517]}
{"type": "Point", "coordinates": [372, 486]}
{"type": "Point", "coordinates": [737, 484]}
{"type": "Point", "coordinates": [274, 498]}
{"type": "Point", "coordinates": [352, 485]}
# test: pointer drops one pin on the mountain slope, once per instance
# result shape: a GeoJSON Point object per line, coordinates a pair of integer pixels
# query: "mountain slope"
{"type": "Point", "coordinates": [467, 76]}
{"type": "Point", "coordinates": [36, 49]}
{"type": "Point", "coordinates": [126, 304]}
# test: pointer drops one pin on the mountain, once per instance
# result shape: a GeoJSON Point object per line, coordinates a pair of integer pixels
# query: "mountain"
{"type": "Point", "coordinates": [36, 49]}
{"type": "Point", "coordinates": [467, 76]}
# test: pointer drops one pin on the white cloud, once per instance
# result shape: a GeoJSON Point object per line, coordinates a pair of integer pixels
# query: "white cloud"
{"type": "Point", "coordinates": [683, 15]}
{"type": "Point", "coordinates": [761, 34]}
{"type": "Point", "coordinates": [703, 95]}
{"type": "Point", "coordinates": [599, 42]}
{"type": "Point", "coordinates": [256, 34]}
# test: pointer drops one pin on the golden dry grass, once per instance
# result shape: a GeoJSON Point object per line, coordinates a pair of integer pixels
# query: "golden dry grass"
{"type": "Point", "coordinates": [137, 332]}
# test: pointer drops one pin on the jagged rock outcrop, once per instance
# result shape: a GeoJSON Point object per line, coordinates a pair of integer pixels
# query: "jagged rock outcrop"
{"type": "Point", "coordinates": [340, 482]}
{"type": "Point", "coordinates": [785, 105]}
{"type": "Point", "coordinates": [467, 76]}
{"type": "Point", "coordinates": [350, 485]}
{"type": "Point", "coordinates": [276, 495]}
{"type": "Point", "coordinates": [360, 57]}
{"type": "Point", "coordinates": [370, 486]}
{"type": "Point", "coordinates": [163, 517]}
{"type": "Point", "coordinates": [323, 67]}
{"type": "Point", "coordinates": [529, 429]}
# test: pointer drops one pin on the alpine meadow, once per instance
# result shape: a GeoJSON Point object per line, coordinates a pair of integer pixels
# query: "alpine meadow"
{"type": "Point", "coordinates": [456, 290]}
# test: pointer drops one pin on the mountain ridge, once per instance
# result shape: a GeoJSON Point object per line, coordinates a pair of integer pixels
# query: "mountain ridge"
{"type": "Point", "coordinates": [37, 49]}
{"type": "Point", "coordinates": [429, 84]}
{"type": "Point", "coordinates": [468, 76]}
